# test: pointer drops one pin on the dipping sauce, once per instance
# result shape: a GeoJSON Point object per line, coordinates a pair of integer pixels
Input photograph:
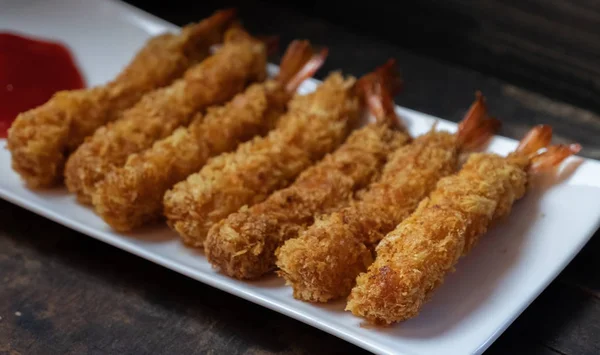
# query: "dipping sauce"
{"type": "Point", "coordinates": [31, 71]}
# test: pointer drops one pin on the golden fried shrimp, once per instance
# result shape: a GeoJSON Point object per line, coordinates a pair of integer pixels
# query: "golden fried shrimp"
{"type": "Point", "coordinates": [413, 260]}
{"type": "Point", "coordinates": [41, 139]}
{"type": "Point", "coordinates": [132, 195]}
{"type": "Point", "coordinates": [243, 244]}
{"type": "Point", "coordinates": [314, 125]}
{"type": "Point", "coordinates": [217, 79]}
{"type": "Point", "coordinates": [323, 262]}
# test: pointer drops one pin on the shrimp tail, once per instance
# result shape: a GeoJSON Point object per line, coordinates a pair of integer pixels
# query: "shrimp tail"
{"type": "Point", "coordinates": [377, 93]}
{"type": "Point", "coordinates": [387, 75]}
{"type": "Point", "coordinates": [211, 31]}
{"type": "Point", "coordinates": [295, 57]}
{"type": "Point", "coordinates": [219, 20]}
{"type": "Point", "coordinates": [299, 63]}
{"type": "Point", "coordinates": [537, 138]}
{"type": "Point", "coordinates": [552, 157]}
{"type": "Point", "coordinates": [390, 76]}
{"type": "Point", "coordinates": [477, 127]}
{"type": "Point", "coordinates": [225, 16]}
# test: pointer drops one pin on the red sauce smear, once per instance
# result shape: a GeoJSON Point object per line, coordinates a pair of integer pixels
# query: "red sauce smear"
{"type": "Point", "coordinates": [31, 71]}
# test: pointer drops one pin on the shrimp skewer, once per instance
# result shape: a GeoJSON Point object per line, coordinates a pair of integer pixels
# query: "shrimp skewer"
{"type": "Point", "coordinates": [40, 140]}
{"type": "Point", "coordinates": [413, 260]}
{"type": "Point", "coordinates": [243, 244]}
{"type": "Point", "coordinates": [314, 125]}
{"type": "Point", "coordinates": [323, 262]}
{"type": "Point", "coordinates": [240, 61]}
{"type": "Point", "coordinates": [132, 195]}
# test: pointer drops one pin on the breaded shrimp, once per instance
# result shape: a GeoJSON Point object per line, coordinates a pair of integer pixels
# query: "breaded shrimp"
{"type": "Point", "coordinates": [323, 262]}
{"type": "Point", "coordinates": [314, 125]}
{"type": "Point", "coordinates": [413, 260]}
{"type": "Point", "coordinates": [132, 195]}
{"type": "Point", "coordinates": [243, 244]}
{"type": "Point", "coordinates": [41, 139]}
{"type": "Point", "coordinates": [240, 61]}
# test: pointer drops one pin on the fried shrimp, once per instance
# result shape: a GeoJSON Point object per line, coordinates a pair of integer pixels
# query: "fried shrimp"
{"type": "Point", "coordinates": [41, 139]}
{"type": "Point", "coordinates": [240, 61]}
{"type": "Point", "coordinates": [314, 125]}
{"type": "Point", "coordinates": [413, 260]}
{"type": "Point", "coordinates": [132, 195]}
{"type": "Point", "coordinates": [243, 244]}
{"type": "Point", "coordinates": [323, 262]}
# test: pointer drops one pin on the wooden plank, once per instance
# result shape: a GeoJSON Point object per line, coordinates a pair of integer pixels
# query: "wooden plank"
{"type": "Point", "coordinates": [583, 270]}
{"type": "Point", "coordinates": [466, 33]}
{"type": "Point", "coordinates": [563, 318]}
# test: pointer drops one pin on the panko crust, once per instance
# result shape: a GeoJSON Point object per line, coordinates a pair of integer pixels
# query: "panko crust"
{"type": "Point", "coordinates": [132, 195]}
{"type": "Point", "coordinates": [323, 262]}
{"type": "Point", "coordinates": [243, 245]}
{"type": "Point", "coordinates": [413, 260]}
{"type": "Point", "coordinates": [249, 175]}
{"type": "Point", "coordinates": [211, 82]}
{"type": "Point", "coordinates": [41, 139]}
{"type": "Point", "coordinates": [229, 181]}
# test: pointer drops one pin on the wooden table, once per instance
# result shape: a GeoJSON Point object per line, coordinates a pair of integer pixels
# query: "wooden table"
{"type": "Point", "coordinates": [63, 292]}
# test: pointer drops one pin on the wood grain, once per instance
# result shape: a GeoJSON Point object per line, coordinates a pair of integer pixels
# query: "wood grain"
{"type": "Point", "coordinates": [549, 46]}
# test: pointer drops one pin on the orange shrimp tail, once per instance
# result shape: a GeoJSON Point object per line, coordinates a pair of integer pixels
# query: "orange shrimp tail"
{"type": "Point", "coordinates": [222, 18]}
{"type": "Point", "coordinates": [537, 138]}
{"type": "Point", "coordinates": [376, 92]}
{"type": "Point", "coordinates": [477, 127]}
{"type": "Point", "coordinates": [392, 80]}
{"type": "Point", "coordinates": [299, 63]}
{"type": "Point", "coordinates": [295, 57]}
{"type": "Point", "coordinates": [388, 75]}
{"type": "Point", "coordinates": [225, 16]}
{"type": "Point", "coordinates": [552, 157]}
{"type": "Point", "coordinates": [210, 30]}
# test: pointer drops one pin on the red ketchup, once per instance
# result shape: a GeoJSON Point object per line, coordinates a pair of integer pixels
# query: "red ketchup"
{"type": "Point", "coordinates": [31, 71]}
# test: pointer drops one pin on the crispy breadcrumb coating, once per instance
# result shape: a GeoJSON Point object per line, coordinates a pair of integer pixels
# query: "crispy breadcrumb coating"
{"type": "Point", "coordinates": [323, 262]}
{"type": "Point", "coordinates": [217, 79]}
{"type": "Point", "coordinates": [132, 195]}
{"type": "Point", "coordinates": [413, 260]}
{"type": "Point", "coordinates": [314, 125]}
{"type": "Point", "coordinates": [41, 139]}
{"type": "Point", "coordinates": [243, 244]}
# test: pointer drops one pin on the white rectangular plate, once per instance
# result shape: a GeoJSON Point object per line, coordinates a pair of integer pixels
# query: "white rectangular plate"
{"type": "Point", "coordinates": [491, 287]}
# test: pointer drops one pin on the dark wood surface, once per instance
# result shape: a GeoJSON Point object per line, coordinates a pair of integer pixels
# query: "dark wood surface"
{"type": "Point", "coordinates": [64, 292]}
{"type": "Point", "coordinates": [550, 46]}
